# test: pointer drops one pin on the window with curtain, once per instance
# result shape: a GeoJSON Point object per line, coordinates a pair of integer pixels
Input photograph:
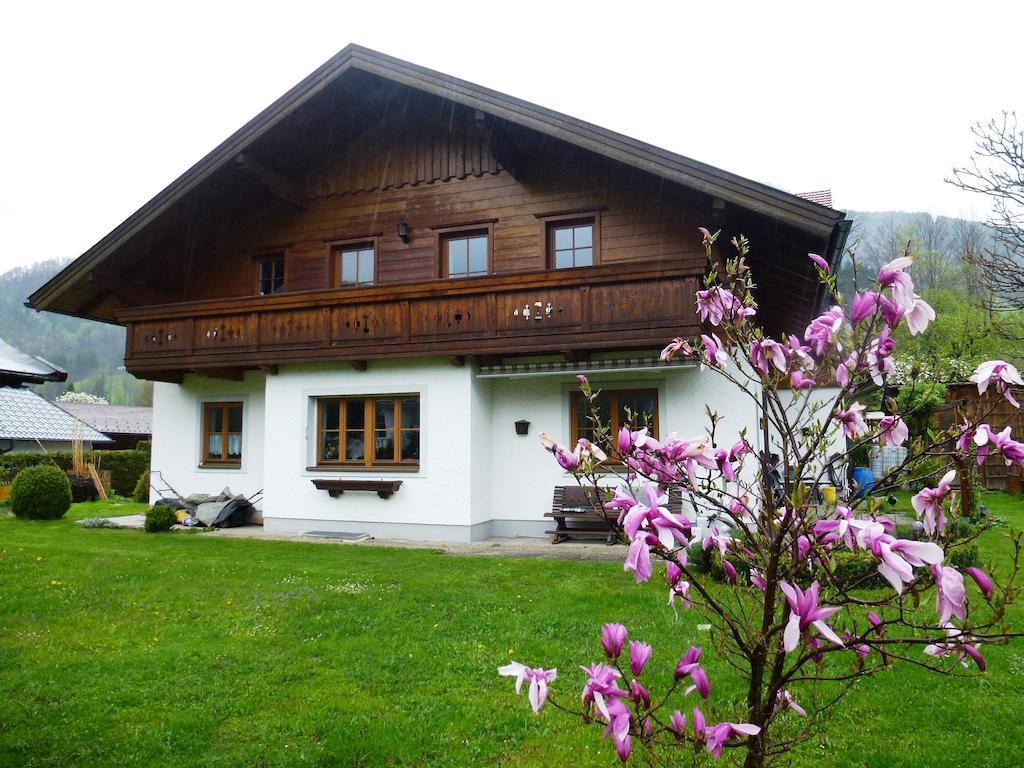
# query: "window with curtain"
{"type": "Point", "coordinates": [364, 432]}
{"type": "Point", "coordinates": [222, 434]}
{"type": "Point", "coordinates": [616, 408]}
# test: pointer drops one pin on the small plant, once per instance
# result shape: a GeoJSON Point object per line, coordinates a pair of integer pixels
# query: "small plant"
{"type": "Point", "coordinates": [98, 522]}
{"type": "Point", "coordinates": [41, 493]}
{"type": "Point", "coordinates": [160, 518]}
{"type": "Point", "coordinates": [141, 492]}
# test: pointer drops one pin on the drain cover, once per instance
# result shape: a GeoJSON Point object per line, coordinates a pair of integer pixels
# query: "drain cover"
{"type": "Point", "coordinates": [337, 535]}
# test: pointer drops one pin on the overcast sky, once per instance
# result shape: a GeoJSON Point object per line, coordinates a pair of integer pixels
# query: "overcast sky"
{"type": "Point", "coordinates": [104, 104]}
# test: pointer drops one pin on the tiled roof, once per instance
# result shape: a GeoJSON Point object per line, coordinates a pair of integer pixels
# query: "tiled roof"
{"type": "Point", "coordinates": [113, 419]}
{"type": "Point", "coordinates": [15, 364]}
{"type": "Point", "coordinates": [821, 197]}
{"type": "Point", "coordinates": [24, 415]}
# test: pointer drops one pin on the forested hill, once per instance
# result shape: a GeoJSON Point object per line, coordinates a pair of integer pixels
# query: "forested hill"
{"type": "Point", "coordinates": [92, 353]}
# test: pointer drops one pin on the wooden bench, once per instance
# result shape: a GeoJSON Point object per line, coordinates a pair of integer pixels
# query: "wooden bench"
{"type": "Point", "coordinates": [383, 488]}
{"type": "Point", "coordinates": [579, 514]}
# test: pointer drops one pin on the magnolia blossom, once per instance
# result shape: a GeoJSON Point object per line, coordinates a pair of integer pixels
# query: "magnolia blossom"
{"type": "Point", "coordinates": [717, 735]}
{"type": "Point", "coordinates": [957, 644]}
{"type": "Point", "coordinates": [585, 452]}
{"type": "Point", "coordinates": [717, 304]}
{"type": "Point", "coordinates": [847, 369]}
{"type": "Point", "coordinates": [985, 439]}
{"type": "Point", "coordinates": [804, 612]}
{"type": "Point", "coordinates": [819, 261]}
{"type": "Point", "coordinates": [902, 286]}
{"type": "Point", "coordinates": [823, 332]}
{"type": "Point", "coordinates": [863, 306]}
{"type": "Point", "coordinates": [638, 558]}
{"type": "Point", "coordinates": [982, 579]}
{"type": "Point", "coordinates": [639, 654]}
{"type": "Point", "coordinates": [612, 638]}
{"type": "Point", "coordinates": [918, 316]}
{"type": "Point", "coordinates": [892, 431]}
{"type": "Point", "coordinates": [929, 502]}
{"type": "Point", "coordinates": [1002, 374]}
{"type": "Point", "coordinates": [950, 595]}
{"type": "Point", "coordinates": [784, 700]}
{"type": "Point", "coordinates": [538, 679]}
{"type": "Point", "coordinates": [714, 351]}
{"type": "Point", "coordinates": [763, 352]}
{"type": "Point", "coordinates": [675, 347]}
{"type": "Point", "coordinates": [879, 357]}
{"type": "Point", "coordinates": [677, 586]}
{"type": "Point", "coordinates": [852, 420]}
{"type": "Point", "coordinates": [688, 666]}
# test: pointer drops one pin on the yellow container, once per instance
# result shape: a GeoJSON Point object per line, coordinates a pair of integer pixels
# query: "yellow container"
{"type": "Point", "coordinates": [828, 493]}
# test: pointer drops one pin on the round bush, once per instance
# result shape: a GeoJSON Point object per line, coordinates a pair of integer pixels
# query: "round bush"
{"type": "Point", "coordinates": [160, 518]}
{"type": "Point", "coordinates": [141, 492]}
{"type": "Point", "coordinates": [41, 493]}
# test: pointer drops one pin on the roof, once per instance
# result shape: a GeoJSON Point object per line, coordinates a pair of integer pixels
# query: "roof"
{"type": "Point", "coordinates": [286, 114]}
{"type": "Point", "coordinates": [25, 368]}
{"type": "Point", "coordinates": [113, 419]}
{"type": "Point", "coordinates": [24, 415]}
{"type": "Point", "coordinates": [821, 197]}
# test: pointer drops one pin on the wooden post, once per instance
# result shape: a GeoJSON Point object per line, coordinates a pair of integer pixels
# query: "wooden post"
{"type": "Point", "coordinates": [94, 475]}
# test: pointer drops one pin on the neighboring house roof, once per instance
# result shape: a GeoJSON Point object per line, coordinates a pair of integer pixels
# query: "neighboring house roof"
{"type": "Point", "coordinates": [113, 419]}
{"type": "Point", "coordinates": [821, 197]}
{"type": "Point", "coordinates": [79, 288]}
{"type": "Point", "coordinates": [24, 415]}
{"type": "Point", "coordinates": [19, 367]}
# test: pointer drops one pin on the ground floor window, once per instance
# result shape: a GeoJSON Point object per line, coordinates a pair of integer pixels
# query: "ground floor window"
{"type": "Point", "coordinates": [615, 408]}
{"type": "Point", "coordinates": [379, 431]}
{"type": "Point", "coordinates": [222, 434]}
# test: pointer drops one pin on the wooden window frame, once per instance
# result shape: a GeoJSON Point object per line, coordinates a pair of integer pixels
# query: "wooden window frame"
{"type": "Point", "coordinates": [559, 221]}
{"type": "Point", "coordinates": [351, 244]}
{"type": "Point", "coordinates": [444, 234]}
{"type": "Point", "coordinates": [263, 258]}
{"type": "Point", "coordinates": [615, 425]}
{"type": "Point", "coordinates": [223, 462]}
{"type": "Point", "coordinates": [369, 462]}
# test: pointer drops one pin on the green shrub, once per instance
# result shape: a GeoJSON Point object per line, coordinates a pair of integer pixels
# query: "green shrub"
{"type": "Point", "coordinates": [145, 446]}
{"type": "Point", "coordinates": [856, 570]}
{"type": "Point", "coordinates": [41, 493]}
{"type": "Point", "coordinates": [160, 518]}
{"type": "Point", "coordinates": [124, 466]}
{"type": "Point", "coordinates": [141, 492]}
{"type": "Point", "coordinates": [962, 557]}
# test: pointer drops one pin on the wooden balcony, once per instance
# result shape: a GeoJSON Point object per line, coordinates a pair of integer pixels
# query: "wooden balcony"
{"type": "Point", "coordinates": [621, 306]}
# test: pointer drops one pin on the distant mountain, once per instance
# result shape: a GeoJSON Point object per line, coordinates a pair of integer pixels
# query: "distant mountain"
{"type": "Point", "coordinates": [92, 353]}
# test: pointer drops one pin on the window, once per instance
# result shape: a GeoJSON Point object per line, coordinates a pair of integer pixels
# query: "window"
{"type": "Point", "coordinates": [271, 278]}
{"type": "Point", "coordinates": [222, 434]}
{"type": "Point", "coordinates": [616, 408]}
{"type": "Point", "coordinates": [465, 254]}
{"type": "Point", "coordinates": [368, 431]}
{"type": "Point", "coordinates": [572, 243]}
{"type": "Point", "coordinates": [355, 264]}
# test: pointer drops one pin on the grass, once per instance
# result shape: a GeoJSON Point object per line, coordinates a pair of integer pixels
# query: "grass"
{"type": "Point", "coordinates": [122, 648]}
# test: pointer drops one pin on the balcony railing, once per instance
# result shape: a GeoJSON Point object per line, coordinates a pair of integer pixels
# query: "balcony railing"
{"type": "Point", "coordinates": [606, 307]}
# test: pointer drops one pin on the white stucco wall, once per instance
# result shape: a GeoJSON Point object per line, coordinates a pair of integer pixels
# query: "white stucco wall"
{"type": "Point", "coordinates": [434, 503]}
{"type": "Point", "coordinates": [177, 434]}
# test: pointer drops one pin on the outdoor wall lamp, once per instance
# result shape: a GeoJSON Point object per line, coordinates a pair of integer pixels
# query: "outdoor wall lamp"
{"type": "Point", "coordinates": [403, 230]}
{"type": "Point", "coordinates": [522, 427]}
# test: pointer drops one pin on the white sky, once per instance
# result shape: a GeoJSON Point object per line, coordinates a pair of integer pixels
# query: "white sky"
{"type": "Point", "coordinates": [104, 104]}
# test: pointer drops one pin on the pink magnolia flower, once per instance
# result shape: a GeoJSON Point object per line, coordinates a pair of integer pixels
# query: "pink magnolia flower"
{"type": "Point", "coordinates": [798, 380]}
{"type": "Point", "coordinates": [639, 654]}
{"type": "Point", "coordinates": [654, 517]}
{"type": "Point", "coordinates": [897, 557]}
{"type": "Point", "coordinates": [879, 357]}
{"type": "Point", "coordinates": [820, 262]}
{"type": "Point", "coordinates": [730, 572]}
{"type": "Point", "coordinates": [852, 420]}
{"type": "Point", "coordinates": [892, 431]}
{"type": "Point", "coordinates": [717, 304]}
{"type": "Point", "coordinates": [675, 347]}
{"type": "Point", "coordinates": [892, 312]}
{"type": "Point", "coordinates": [957, 644]}
{"type": "Point", "coordinates": [985, 438]}
{"type": "Point", "coordinates": [863, 306]}
{"type": "Point", "coordinates": [823, 332]}
{"type": "Point", "coordinates": [619, 721]}
{"type": "Point", "coordinates": [717, 735]}
{"type": "Point", "coordinates": [678, 724]}
{"type": "Point", "coordinates": [805, 612]}
{"type": "Point", "coordinates": [612, 638]}
{"type": "Point", "coordinates": [784, 700]}
{"type": "Point", "coordinates": [585, 452]}
{"type": "Point", "coordinates": [950, 595]}
{"type": "Point", "coordinates": [768, 351]}
{"type": "Point", "coordinates": [757, 579]}
{"type": "Point", "coordinates": [638, 558]}
{"type": "Point", "coordinates": [929, 502]}
{"type": "Point", "coordinates": [983, 581]}
{"type": "Point", "coordinates": [847, 369]}
{"type": "Point", "coordinates": [714, 351]}
{"type": "Point", "coordinates": [918, 316]}
{"type": "Point", "coordinates": [893, 276]}
{"type": "Point", "coordinates": [677, 586]}
{"type": "Point", "coordinates": [688, 666]}
{"type": "Point", "coordinates": [601, 687]}
{"type": "Point", "coordinates": [538, 679]}
{"type": "Point", "coordinates": [639, 694]}
{"type": "Point", "coordinates": [724, 459]}
{"type": "Point", "coordinates": [1002, 374]}
{"type": "Point", "coordinates": [717, 539]}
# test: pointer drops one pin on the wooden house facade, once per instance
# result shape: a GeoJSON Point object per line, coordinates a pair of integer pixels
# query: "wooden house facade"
{"type": "Point", "coordinates": [379, 275]}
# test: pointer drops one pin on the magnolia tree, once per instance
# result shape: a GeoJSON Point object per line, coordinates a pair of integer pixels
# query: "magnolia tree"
{"type": "Point", "coordinates": [787, 615]}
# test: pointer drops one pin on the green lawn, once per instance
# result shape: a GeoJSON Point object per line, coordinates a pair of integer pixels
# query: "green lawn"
{"type": "Point", "coordinates": [122, 648]}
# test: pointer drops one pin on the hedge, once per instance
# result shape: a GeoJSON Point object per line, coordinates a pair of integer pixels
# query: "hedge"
{"type": "Point", "coordinates": [124, 466]}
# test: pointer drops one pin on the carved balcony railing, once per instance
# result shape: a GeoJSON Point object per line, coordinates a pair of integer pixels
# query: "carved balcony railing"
{"type": "Point", "coordinates": [606, 307]}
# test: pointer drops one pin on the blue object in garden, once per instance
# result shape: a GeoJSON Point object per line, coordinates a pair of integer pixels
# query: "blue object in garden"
{"type": "Point", "coordinates": [865, 480]}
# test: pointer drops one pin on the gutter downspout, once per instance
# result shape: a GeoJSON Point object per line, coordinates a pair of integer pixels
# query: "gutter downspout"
{"type": "Point", "coordinates": [834, 256]}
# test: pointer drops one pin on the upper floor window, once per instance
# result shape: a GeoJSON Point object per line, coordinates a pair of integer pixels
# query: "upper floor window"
{"type": "Point", "coordinates": [356, 264]}
{"type": "Point", "coordinates": [465, 254]}
{"type": "Point", "coordinates": [572, 243]}
{"type": "Point", "coordinates": [222, 434]}
{"type": "Point", "coordinates": [271, 279]}
{"type": "Point", "coordinates": [616, 408]}
{"type": "Point", "coordinates": [368, 431]}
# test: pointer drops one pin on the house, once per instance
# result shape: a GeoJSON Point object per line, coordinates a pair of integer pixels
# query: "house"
{"type": "Point", "coordinates": [28, 422]}
{"type": "Point", "coordinates": [356, 301]}
{"type": "Point", "coordinates": [123, 425]}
